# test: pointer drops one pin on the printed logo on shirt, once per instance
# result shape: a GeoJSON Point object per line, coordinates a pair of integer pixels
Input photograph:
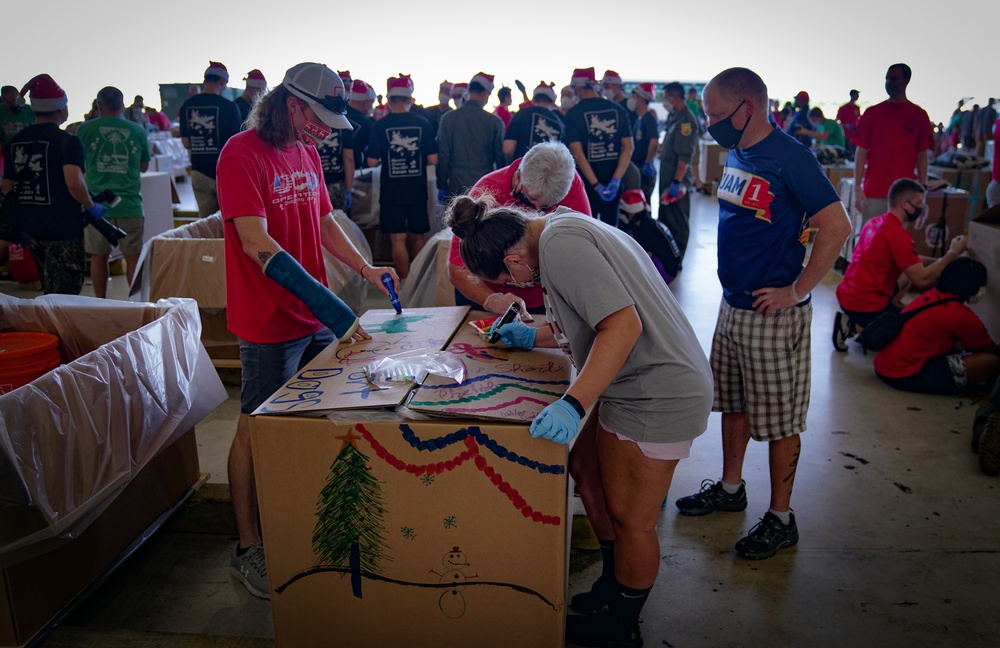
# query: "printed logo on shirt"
{"type": "Point", "coordinates": [203, 132]}
{"type": "Point", "coordinates": [747, 190]}
{"type": "Point", "coordinates": [602, 130]}
{"type": "Point", "coordinates": [686, 129]}
{"type": "Point", "coordinates": [114, 148]}
{"type": "Point", "coordinates": [331, 153]}
{"type": "Point", "coordinates": [294, 188]}
{"type": "Point", "coordinates": [542, 130]}
{"type": "Point", "coordinates": [556, 329]}
{"type": "Point", "coordinates": [29, 167]}
{"type": "Point", "coordinates": [404, 152]}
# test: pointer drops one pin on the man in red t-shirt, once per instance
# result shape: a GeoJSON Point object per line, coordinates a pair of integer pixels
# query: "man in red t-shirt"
{"type": "Point", "coordinates": [884, 252]}
{"type": "Point", "coordinates": [545, 178]}
{"type": "Point", "coordinates": [893, 139]}
{"type": "Point", "coordinates": [277, 215]}
{"type": "Point", "coordinates": [993, 188]}
{"type": "Point", "coordinates": [848, 116]}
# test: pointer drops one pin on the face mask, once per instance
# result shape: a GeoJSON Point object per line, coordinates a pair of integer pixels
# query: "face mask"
{"type": "Point", "coordinates": [444, 98]}
{"type": "Point", "coordinates": [631, 103]}
{"type": "Point", "coordinates": [459, 101]}
{"type": "Point", "coordinates": [531, 283]}
{"type": "Point", "coordinates": [815, 125]}
{"type": "Point", "coordinates": [567, 101]}
{"type": "Point", "coordinates": [727, 135]}
{"type": "Point", "coordinates": [526, 202]}
{"type": "Point", "coordinates": [914, 215]}
{"type": "Point", "coordinates": [892, 88]}
{"type": "Point", "coordinates": [312, 134]}
{"type": "Point", "coordinates": [978, 296]}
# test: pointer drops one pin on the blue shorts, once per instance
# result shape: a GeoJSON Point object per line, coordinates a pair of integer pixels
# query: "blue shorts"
{"type": "Point", "coordinates": [266, 367]}
{"type": "Point", "coordinates": [942, 374]}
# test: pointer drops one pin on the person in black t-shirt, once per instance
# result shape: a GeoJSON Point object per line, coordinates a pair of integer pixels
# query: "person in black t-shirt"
{"type": "Point", "coordinates": [402, 143]}
{"type": "Point", "coordinates": [645, 134]}
{"type": "Point", "coordinates": [539, 122]}
{"type": "Point", "coordinates": [337, 155]}
{"type": "Point", "coordinates": [256, 85]}
{"type": "Point", "coordinates": [360, 101]}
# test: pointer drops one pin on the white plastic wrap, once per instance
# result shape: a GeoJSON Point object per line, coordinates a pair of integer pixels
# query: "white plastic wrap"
{"type": "Point", "coordinates": [136, 378]}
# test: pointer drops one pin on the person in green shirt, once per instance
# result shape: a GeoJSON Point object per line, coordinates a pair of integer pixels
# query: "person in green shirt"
{"type": "Point", "coordinates": [825, 132]}
{"type": "Point", "coordinates": [117, 153]}
{"type": "Point", "coordinates": [14, 115]}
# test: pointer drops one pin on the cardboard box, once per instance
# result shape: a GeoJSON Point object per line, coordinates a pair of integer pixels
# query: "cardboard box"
{"type": "Point", "coordinates": [838, 172]}
{"type": "Point", "coordinates": [711, 161]}
{"type": "Point", "coordinates": [974, 181]}
{"type": "Point", "coordinates": [984, 245]}
{"type": "Point", "coordinates": [460, 534]}
{"type": "Point", "coordinates": [846, 189]}
{"type": "Point", "coordinates": [948, 217]}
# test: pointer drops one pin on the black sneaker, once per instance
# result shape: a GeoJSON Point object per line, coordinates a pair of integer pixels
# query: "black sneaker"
{"type": "Point", "coordinates": [989, 446]}
{"type": "Point", "coordinates": [767, 537]}
{"type": "Point", "coordinates": [843, 330]}
{"type": "Point", "coordinates": [601, 629]}
{"type": "Point", "coordinates": [592, 601]}
{"type": "Point", "coordinates": [713, 497]}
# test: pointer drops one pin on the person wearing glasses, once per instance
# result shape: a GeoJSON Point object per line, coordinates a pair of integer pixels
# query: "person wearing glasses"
{"type": "Point", "coordinates": [277, 220]}
{"type": "Point", "coordinates": [542, 180]}
{"type": "Point", "coordinates": [639, 366]}
{"type": "Point", "coordinates": [885, 251]}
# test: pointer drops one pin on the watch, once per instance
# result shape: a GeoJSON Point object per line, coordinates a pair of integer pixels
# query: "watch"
{"type": "Point", "coordinates": [576, 405]}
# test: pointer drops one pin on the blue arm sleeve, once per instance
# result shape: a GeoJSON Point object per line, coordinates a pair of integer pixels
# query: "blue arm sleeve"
{"type": "Point", "coordinates": [327, 307]}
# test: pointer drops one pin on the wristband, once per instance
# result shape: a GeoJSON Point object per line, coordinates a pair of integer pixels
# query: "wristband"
{"type": "Point", "coordinates": [576, 405]}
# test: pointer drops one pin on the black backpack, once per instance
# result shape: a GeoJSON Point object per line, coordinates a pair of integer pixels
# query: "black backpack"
{"type": "Point", "coordinates": [885, 328]}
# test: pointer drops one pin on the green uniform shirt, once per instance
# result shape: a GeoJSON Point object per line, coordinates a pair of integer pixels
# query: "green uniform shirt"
{"type": "Point", "coordinates": [115, 149]}
{"type": "Point", "coordinates": [678, 146]}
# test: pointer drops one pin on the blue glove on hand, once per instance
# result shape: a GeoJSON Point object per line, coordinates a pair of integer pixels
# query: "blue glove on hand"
{"type": "Point", "coordinates": [558, 422]}
{"type": "Point", "coordinates": [648, 170]}
{"type": "Point", "coordinates": [347, 199]}
{"type": "Point", "coordinates": [97, 211]}
{"type": "Point", "coordinates": [609, 192]}
{"type": "Point", "coordinates": [675, 189]}
{"type": "Point", "coordinates": [327, 307]}
{"type": "Point", "coordinates": [516, 334]}
{"type": "Point", "coordinates": [442, 195]}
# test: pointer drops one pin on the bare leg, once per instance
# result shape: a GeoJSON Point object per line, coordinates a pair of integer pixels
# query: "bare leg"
{"type": "Point", "coordinates": [586, 471]}
{"type": "Point", "coordinates": [783, 460]}
{"type": "Point", "coordinates": [130, 262]}
{"type": "Point", "coordinates": [416, 243]}
{"type": "Point", "coordinates": [400, 255]}
{"type": "Point", "coordinates": [242, 487]}
{"type": "Point", "coordinates": [982, 367]}
{"type": "Point", "coordinates": [99, 274]}
{"type": "Point", "coordinates": [735, 437]}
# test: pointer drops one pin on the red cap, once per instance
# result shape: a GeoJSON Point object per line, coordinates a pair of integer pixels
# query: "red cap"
{"type": "Point", "coordinates": [802, 95]}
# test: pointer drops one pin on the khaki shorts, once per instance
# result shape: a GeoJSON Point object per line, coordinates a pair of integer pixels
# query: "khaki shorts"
{"type": "Point", "coordinates": [205, 194]}
{"type": "Point", "coordinates": [763, 366]}
{"type": "Point", "coordinates": [95, 243]}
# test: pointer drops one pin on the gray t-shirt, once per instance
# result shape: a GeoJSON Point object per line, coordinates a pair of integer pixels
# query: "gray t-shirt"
{"type": "Point", "coordinates": [663, 393]}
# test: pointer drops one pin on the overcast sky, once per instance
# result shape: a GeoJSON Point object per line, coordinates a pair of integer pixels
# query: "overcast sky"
{"type": "Point", "coordinates": [823, 48]}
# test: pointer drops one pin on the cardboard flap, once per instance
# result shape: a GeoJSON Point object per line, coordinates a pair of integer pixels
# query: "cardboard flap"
{"type": "Point", "coordinates": [989, 217]}
{"type": "Point", "coordinates": [335, 378]}
{"type": "Point", "coordinates": [194, 268]}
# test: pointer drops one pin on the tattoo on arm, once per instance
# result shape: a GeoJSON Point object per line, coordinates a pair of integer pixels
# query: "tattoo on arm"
{"type": "Point", "coordinates": [263, 256]}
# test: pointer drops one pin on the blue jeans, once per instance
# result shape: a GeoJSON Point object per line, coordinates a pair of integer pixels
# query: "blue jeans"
{"type": "Point", "coordinates": [266, 367]}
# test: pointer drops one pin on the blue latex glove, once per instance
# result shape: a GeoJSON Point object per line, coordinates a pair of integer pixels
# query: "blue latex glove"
{"type": "Point", "coordinates": [442, 195]}
{"type": "Point", "coordinates": [347, 200]}
{"type": "Point", "coordinates": [609, 191]}
{"type": "Point", "coordinates": [675, 189]}
{"type": "Point", "coordinates": [97, 211]}
{"type": "Point", "coordinates": [648, 170]}
{"type": "Point", "coordinates": [517, 334]}
{"type": "Point", "coordinates": [558, 422]}
{"type": "Point", "coordinates": [327, 307]}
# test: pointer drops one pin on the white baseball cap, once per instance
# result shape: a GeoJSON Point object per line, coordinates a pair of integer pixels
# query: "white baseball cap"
{"type": "Point", "coordinates": [322, 89]}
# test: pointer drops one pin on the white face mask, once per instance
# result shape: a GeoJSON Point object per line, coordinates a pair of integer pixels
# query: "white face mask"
{"type": "Point", "coordinates": [978, 296]}
{"type": "Point", "coordinates": [444, 98]}
{"type": "Point", "coordinates": [567, 101]}
{"type": "Point", "coordinates": [631, 103]}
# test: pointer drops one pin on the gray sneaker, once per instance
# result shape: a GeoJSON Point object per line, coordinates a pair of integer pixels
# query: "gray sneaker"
{"type": "Point", "coordinates": [251, 570]}
{"type": "Point", "coordinates": [989, 446]}
{"type": "Point", "coordinates": [713, 497]}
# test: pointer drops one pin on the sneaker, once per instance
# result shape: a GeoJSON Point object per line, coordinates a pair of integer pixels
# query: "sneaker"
{"type": "Point", "coordinates": [592, 601]}
{"type": "Point", "coordinates": [842, 331]}
{"type": "Point", "coordinates": [767, 536]}
{"type": "Point", "coordinates": [601, 630]}
{"type": "Point", "coordinates": [251, 570]}
{"type": "Point", "coordinates": [713, 497]}
{"type": "Point", "coordinates": [989, 446]}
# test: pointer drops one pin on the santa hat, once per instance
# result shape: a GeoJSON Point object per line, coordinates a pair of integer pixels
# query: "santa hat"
{"type": "Point", "coordinates": [46, 95]}
{"type": "Point", "coordinates": [645, 90]}
{"type": "Point", "coordinates": [400, 86]}
{"type": "Point", "coordinates": [633, 201]}
{"type": "Point", "coordinates": [459, 89]}
{"type": "Point", "coordinates": [445, 86]}
{"type": "Point", "coordinates": [545, 89]}
{"type": "Point", "coordinates": [255, 79]}
{"type": "Point", "coordinates": [582, 77]}
{"type": "Point", "coordinates": [218, 69]}
{"type": "Point", "coordinates": [610, 76]}
{"type": "Point", "coordinates": [359, 90]}
{"type": "Point", "coordinates": [483, 79]}
{"type": "Point", "coordinates": [802, 95]}
{"type": "Point", "coordinates": [345, 76]}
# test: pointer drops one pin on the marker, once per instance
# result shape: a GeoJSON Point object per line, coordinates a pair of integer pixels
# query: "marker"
{"type": "Point", "coordinates": [509, 316]}
{"type": "Point", "coordinates": [387, 282]}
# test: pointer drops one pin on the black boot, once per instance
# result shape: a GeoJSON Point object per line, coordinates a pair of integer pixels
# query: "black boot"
{"type": "Point", "coordinates": [614, 626]}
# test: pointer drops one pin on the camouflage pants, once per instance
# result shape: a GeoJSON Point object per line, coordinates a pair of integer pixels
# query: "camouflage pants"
{"type": "Point", "coordinates": [61, 264]}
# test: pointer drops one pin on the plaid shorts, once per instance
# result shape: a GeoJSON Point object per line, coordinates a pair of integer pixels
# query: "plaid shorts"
{"type": "Point", "coordinates": [762, 365]}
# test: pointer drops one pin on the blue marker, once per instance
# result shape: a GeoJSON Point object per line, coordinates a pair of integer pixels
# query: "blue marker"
{"type": "Point", "coordinates": [387, 282]}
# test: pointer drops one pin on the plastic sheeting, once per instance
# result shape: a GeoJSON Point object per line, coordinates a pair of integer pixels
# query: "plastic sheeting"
{"type": "Point", "coordinates": [136, 378]}
{"type": "Point", "coordinates": [428, 284]}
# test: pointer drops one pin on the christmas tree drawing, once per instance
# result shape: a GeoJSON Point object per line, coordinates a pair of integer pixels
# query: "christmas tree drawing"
{"type": "Point", "coordinates": [349, 532]}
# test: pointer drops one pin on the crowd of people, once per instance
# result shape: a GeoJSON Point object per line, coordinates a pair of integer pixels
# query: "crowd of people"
{"type": "Point", "coordinates": [532, 195]}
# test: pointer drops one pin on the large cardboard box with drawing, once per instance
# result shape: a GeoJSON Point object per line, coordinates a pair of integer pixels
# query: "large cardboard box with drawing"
{"type": "Point", "coordinates": [381, 530]}
{"type": "Point", "coordinates": [984, 245]}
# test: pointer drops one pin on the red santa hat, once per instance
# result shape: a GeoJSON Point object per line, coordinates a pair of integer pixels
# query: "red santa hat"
{"type": "Point", "coordinates": [399, 86]}
{"type": "Point", "coordinates": [459, 89]}
{"type": "Point", "coordinates": [633, 201]}
{"type": "Point", "coordinates": [218, 69]}
{"type": "Point", "coordinates": [610, 76]}
{"type": "Point", "coordinates": [582, 77]}
{"type": "Point", "coordinates": [359, 90]}
{"type": "Point", "coordinates": [255, 79]}
{"type": "Point", "coordinates": [46, 95]}
{"type": "Point", "coordinates": [545, 89]}
{"type": "Point", "coordinates": [483, 79]}
{"type": "Point", "coordinates": [345, 76]}
{"type": "Point", "coordinates": [645, 90]}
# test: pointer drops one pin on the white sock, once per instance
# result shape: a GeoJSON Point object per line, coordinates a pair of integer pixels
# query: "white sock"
{"type": "Point", "coordinates": [784, 516]}
{"type": "Point", "coordinates": [729, 488]}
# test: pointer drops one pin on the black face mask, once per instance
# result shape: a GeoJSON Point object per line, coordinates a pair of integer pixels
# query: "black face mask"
{"type": "Point", "coordinates": [914, 215]}
{"type": "Point", "coordinates": [892, 88]}
{"type": "Point", "coordinates": [727, 135]}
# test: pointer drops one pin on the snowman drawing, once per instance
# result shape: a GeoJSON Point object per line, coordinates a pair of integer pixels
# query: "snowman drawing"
{"type": "Point", "coordinates": [452, 603]}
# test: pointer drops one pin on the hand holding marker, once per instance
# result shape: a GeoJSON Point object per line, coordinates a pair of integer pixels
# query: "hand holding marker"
{"type": "Point", "coordinates": [509, 316]}
{"type": "Point", "coordinates": [387, 282]}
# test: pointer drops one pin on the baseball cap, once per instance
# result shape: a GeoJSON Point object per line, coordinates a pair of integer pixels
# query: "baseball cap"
{"type": "Point", "coordinates": [802, 95]}
{"type": "Point", "coordinates": [322, 89]}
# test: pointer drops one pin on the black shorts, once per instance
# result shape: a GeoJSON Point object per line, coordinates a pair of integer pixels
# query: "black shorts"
{"type": "Point", "coordinates": [400, 219]}
{"type": "Point", "coordinates": [942, 374]}
{"type": "Point", "coordinates": [864, 319]}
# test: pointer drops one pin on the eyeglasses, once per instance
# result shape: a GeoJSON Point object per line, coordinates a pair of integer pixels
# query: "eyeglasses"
{"type": "Point", "coordinates": [525, 200]}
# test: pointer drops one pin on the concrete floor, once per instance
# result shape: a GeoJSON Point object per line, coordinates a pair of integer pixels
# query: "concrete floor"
{"type": "Point", "coordinates": [899, 529]}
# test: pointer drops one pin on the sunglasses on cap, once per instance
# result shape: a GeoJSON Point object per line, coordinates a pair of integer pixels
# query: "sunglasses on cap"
{"type": "Point", "coordinates": [335, 104]}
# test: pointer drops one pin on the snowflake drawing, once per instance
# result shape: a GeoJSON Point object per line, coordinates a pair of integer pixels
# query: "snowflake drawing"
{"type": "Point", "coordinates": [408, 533]}
{"type": "Point", "coordinates": [450, 522]}
{"type": "Point", "coordinates": [427, 480]}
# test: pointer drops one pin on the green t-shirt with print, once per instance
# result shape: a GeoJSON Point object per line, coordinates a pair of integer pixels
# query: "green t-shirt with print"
{"type": "Point", "coordinates": [12, 122]}
{"type": "Point", "coordinates": [836, 132]}
{"type": "Point", "coordinates": [115, 149]}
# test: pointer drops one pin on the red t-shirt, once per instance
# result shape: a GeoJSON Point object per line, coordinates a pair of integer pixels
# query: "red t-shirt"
{"type": "Point", "coordinates": [996, 151]}
{"type": "Point", "coordinates": [286, 188]}
{"type": "Point", "coordinates": [884, 249]}
{"type": "Point", "coordinates": [933, 332]}
{"type": "Point", "coordinates": [504, 114]}
{"type": "Point", "coordinates": [893, 134]}
{"type": "Point", "coordinates": [848, 116]}
{"type": "Point", "coordinates": [498, 183]}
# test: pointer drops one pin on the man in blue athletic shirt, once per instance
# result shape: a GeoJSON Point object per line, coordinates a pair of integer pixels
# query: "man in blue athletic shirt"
{"type": "Point", "coordinates": [771, 191]}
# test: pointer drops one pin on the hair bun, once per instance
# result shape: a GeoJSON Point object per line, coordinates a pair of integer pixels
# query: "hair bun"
{"type": "Point", "coordinates": [464, 215]}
